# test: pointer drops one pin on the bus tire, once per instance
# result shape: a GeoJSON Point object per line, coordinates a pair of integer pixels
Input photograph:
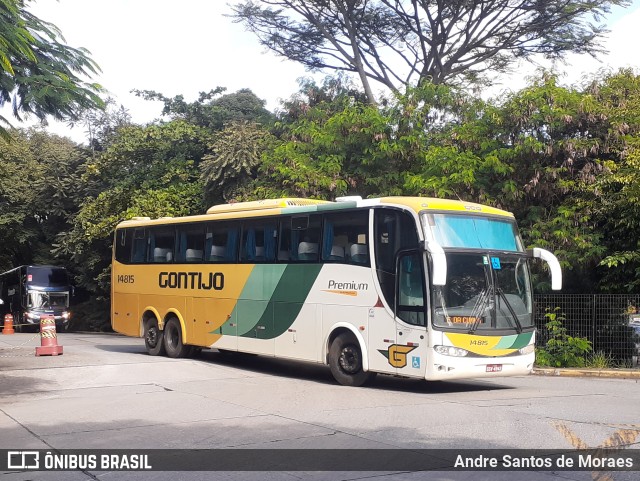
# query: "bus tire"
{"type": "Point", "coordinates": [153, 338]}
{"type": "Point", "coordinates": [173, 344]}
{"type": "Point", "coordinates": [345, 361]}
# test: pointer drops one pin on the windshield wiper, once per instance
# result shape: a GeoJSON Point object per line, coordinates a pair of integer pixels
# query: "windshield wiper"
{"type": "Point", "coordinates": [479, 308]}
{"type": "Point", "coordinates": [511, 310]}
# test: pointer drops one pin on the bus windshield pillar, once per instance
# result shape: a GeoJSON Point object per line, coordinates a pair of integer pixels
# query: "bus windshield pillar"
{"type": "Point", "coordinates": [439, 260]}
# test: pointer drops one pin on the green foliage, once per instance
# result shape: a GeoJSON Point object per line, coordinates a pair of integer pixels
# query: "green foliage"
{"type": "Point", "coordinates": [600, 360]}
{"type": "Point", "coordinates": [101, 126]}
{"type": "Point", "coordinates": [40, 75]}
{"type": "Point", "coordinates": [39, 193]}
{"type": "Point", "coordinates": [145, 171]}
{"type": "Point", "coordinates": [212, 110]}
{"type": "Point", "coordinates": [333, 149]}
{"type": "Point", "coordinates": [233, 159]}
{"type": "Point", "coordinates": [561, 350]}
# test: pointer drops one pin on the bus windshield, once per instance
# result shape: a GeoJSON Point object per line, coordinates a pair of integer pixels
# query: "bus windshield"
{"type": "Point", "coordinates": [473, 232]}
{"type": "Point", "coordinates": [48, 300]}
{"type": "Point", "coordinates": [484, 292]}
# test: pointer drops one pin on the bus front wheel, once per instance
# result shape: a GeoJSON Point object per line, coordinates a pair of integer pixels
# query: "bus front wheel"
{"type": "Point", "coordinates": [345, 361]}
{"type": "Point", "coordinates": [173, 339]}
{"type": "Point", "coordinates": [153, 338]}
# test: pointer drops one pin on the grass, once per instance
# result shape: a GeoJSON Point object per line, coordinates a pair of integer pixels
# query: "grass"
{"type": "Point", "coordinates": [600, 360]}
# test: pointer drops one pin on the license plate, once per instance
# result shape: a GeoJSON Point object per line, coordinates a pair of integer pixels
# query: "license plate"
{"type": "Point", "coordinates": [494, 367]}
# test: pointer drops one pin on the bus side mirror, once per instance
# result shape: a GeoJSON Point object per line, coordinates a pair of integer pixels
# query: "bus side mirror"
{"type": "Point", "coordinates": [554, 265]}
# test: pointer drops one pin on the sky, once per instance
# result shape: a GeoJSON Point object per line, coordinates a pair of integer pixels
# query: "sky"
{"type": "Point", "coordinates": [190, 46]}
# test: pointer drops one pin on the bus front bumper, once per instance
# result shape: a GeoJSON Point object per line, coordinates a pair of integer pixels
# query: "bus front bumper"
{"type": "Point", "coordinates": [33, 318]}
{"type": "Point", "coordinates": [449, 367]}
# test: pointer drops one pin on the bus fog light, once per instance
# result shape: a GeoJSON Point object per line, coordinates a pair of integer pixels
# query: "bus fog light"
{"type": "Point", "coordinates": [451, 351]}
{"type": "Point", "coordinates": [527, 349]}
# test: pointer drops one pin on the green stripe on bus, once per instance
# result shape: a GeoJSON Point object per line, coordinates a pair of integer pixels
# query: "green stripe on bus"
{"type": "Point", "coordinates": [337, 206]}
{"type": "Point", "coordinates": [515, 341]}
{"type": "Point", "coordinates": [303, 209]}
{"type": "Point", "coordinates": [255, 295]}
{"type": "Point", "coordinates": [287, 301]}
{"type": "Point", "coordinates": [522, 340]}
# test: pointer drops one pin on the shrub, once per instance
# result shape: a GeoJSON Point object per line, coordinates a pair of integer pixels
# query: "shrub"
{"type": "Point", "coordinates": [561, 349]}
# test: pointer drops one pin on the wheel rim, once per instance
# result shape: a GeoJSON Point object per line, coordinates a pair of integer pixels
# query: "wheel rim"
{"type": "Point", "coordinates": [152, 336]}
{"type": "Point", "coordinates": [349, 359]}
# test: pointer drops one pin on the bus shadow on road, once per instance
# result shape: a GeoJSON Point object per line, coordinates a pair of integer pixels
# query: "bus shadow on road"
{"type": "Point", "coordinates": [317, 373]}
{"type": "Point", "coordinates": [122, 348]}
{"type": "Point", "coordinates": [321, 374]}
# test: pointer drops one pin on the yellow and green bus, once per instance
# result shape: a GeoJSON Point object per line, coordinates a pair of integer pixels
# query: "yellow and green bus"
{"type": "Point", "coordinates": [416, 287]}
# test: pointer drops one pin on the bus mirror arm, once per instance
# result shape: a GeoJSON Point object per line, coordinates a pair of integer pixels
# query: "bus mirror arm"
{"type": "Point", "coordinates": [552, 262]}
{"type": "Point", "coordinates": [439, 261]}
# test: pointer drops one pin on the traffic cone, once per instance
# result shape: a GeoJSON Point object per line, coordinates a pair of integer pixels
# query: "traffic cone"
{"type": "Point", "coordinates": [48, 337]}
{"type": "Point", "coordinates": [8, 324]}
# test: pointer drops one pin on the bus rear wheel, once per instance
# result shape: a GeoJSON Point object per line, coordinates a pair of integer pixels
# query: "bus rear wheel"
{"type": "Point", "coordinates": [345, 361]}
{"type": "Point", "coordinates": [153, 338]}
{"type": "Point", "coordinates": [173, 339]}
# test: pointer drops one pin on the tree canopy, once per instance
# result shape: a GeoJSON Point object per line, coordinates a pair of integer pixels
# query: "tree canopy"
{"type": "Point", "coordinates": [39, 74]}
{"type": "Point", "coordinates": [404, 42]}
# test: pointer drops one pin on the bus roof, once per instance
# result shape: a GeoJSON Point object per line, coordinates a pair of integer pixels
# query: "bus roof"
{"type": "Point", "coordinates": [419, 204]}
{"type": "Point", "coordinates": [264, 204]}
{"type": "Point", "coordinates": [290, 205]}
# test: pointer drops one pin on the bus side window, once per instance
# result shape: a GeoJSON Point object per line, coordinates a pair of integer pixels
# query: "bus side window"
{"type": "Point", "coordinates": [259, 241]}
{"type": "Point", "coordinates": [123, 244]}
{"type": "Point", "coordinates": [300, 238]}
{"type": "Point", "coordinates": [221, 242]}
{"type": "Point", "coordinates": [190, 244]}
{"type": "Point", "coordinates": [411, 290]}
{"type": "Point", "coordinates": [139, 248]}
{"type": "Point", "coordinates": [161, 244]}
{"type": "Point", "coordinates": [345, 237]}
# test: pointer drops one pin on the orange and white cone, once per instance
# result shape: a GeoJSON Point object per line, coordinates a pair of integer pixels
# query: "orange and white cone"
{"type": "Point", "coordinates": [7, 328]}
{"type": "Point", "coordinates": [48, 337]}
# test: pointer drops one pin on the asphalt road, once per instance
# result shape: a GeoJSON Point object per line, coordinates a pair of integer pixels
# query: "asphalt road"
{"type": "Point", "coordinates": [105, 392]}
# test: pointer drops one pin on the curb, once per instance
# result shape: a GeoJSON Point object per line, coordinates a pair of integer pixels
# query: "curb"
{"type": "Point", "coordinates": [602, 373]}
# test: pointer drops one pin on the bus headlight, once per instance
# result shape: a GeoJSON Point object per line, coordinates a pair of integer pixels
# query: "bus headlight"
{"type": "Point", "coordinates": [527, 349]}
{"type": "Point", "coordinates": [66, 315]}
{"type": "Point", "coordinates": [33, 316]}
{"type": "Point", "coordinates": [451, 351]}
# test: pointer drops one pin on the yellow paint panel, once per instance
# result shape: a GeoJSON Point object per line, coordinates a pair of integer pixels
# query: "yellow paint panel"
{"type": "Point", "coordinates": [419, 204]}
{"type": "Point", "coordinates": [140, 287]}
{"type": "Point", "coordinates": [483, 345]}
{"type": "Point", "coordinates": [124, 314]}
{"type": "Point", "coordinates": [264, 204]}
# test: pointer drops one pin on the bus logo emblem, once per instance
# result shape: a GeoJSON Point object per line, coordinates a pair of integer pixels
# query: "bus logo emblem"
{"type": "Point", "coordinates": [397, 354]}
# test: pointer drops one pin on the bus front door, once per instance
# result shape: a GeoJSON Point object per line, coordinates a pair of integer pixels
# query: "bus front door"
{"type": "Point", "coordinates": [409, 351]}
